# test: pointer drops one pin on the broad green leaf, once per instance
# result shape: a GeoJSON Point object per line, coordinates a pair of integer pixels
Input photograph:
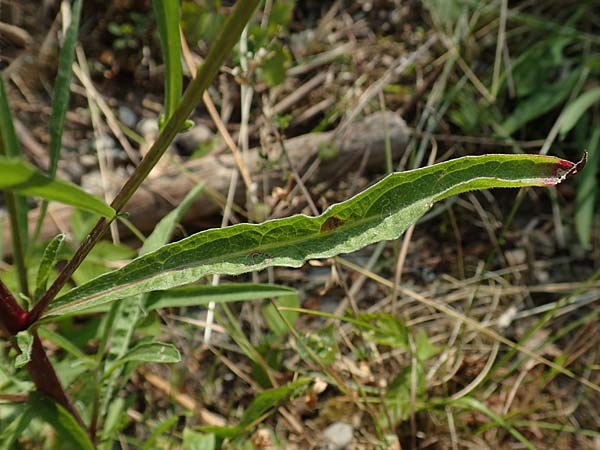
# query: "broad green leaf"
{"type": "Point", "coordinates": [382, 212]}
{"type": "Point", "coordinates": [62, 87]}
{"type": "Point", "coordinates": [473, 404]}
{"type": "Point", "coordinates": [192, 440]}
{"type": "Point", "coordinates": [21, 177]}
{"type": "Point", "coordinates": [69, 433]}
{"type": "Point", "coordinates": [158, 352]}
{"type": "Point", "coordinates": [576, 109]}
{"type": "Point", "coordinates": [24, 342]}
{"type": "Point", "coordinates": [587, 191]}
{"type": "Point", "coordinates": [542, 100]}
{"type": "Point", "coordinates": [47, 263]}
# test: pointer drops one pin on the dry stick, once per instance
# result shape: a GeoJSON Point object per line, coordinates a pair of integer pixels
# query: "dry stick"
{"type": "Point", "coordinates": [222, 46]}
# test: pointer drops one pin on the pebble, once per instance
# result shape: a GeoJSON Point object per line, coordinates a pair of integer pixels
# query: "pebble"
{"type": "Point", "coordinates": [104, 140]}
{"type": "Point", "coordinates": [148, 127]}
{"type": "Point", "coordinates": [189, 141]}
{"type": "Point", "coordinates": [337, 436]}
{"type": "Point", "coordinates": [127, 116]}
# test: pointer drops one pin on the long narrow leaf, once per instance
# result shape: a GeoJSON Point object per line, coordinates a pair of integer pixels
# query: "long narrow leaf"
{"type": "Point", "coordinates": [167, 19]}
{"type": "Point", "coordinates": [46, 264]}
{"type": "Point", "coordinates": [62, 85]}
{"type": "Point", "coordinates": [18, 176]}
{"type": "Point", "coordinates": [16, 204]}
{"type": "Point", "coordinates": [382, 212]}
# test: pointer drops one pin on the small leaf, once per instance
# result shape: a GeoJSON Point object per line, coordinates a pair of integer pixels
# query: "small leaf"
{"type": "Point", "coordinates": [576, 109]}
{"type": "Point", "coordinates": [192, 440]}
{"type": "Point", "coordinates": [24, 342]}
{"type": "Point", "coordinates": [70, 435]}
{"type": "Point", "coordinates": [47, 263]}
{"type": "Point", "coordinates": [382, 212]}
{"type": "Point", "coordinates": [158, 352]}
{"type": "Point", "coordinates": [21, 177]}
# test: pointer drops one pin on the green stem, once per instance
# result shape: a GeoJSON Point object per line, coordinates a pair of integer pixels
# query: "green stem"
{"type": "Point", "coordinates": [222, 46]}
{"type": "Point", "coordinates": [17, 242]}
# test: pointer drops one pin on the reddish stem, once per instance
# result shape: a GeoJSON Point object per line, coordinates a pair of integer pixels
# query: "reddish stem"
{"type": "Point", "coordinates": [44, 376]}
{"type": "Point", "coordinates": [12, 317]}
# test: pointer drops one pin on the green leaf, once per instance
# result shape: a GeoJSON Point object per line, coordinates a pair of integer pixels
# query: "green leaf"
{"type": "Point", "coordinates": [166, 13]}
{"type": "Point", "coordinates": [158, 352]}
{"type": "Point", "coordinates": [69, 433]}
{"type": "Point", "coordinates": [16, 204]}
{"type": "Point", "coordinates": [192, 440]}
{"type": "Point", "coordinates": [62, 87]}
{"type": "Point", "coordinates": [21, 177]}
{"type": "Point", "coordinates": [587, 191]}
{"type": "Point", "coordinates": [24, 342]}
{"type": "Point", "coordinates": [544, 99]}
{"type": "Point", "coordinates": [273, 317]}
{"type": "Point", "coordinates": [259, 407]}
{"type": "Point", "coordinates": [14, 430]}
{"type": "Point", "coordinates": [576, 109]}
{"type": "Point", "coordinates": [47, 263]}
{"type": "Point", "coordinates": [382, 212]}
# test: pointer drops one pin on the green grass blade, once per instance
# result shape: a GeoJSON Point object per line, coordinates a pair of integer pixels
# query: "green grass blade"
{"type": "Point", "coordinates": [20, 177]}
{"type": "Point", "coordinates": [167, 19]}
{"type": "Point", "coordinates": [62, 85]}
{"type": "Point", "coordinates": [587, 192]}
{"type": "Point", "coordinates": [576, 109]}
{"type": "Point", "coordinates": [471, 403]}
{"type": "Point", "coordinates": [382, 212]}
{"type": "Point", "coordinates": [16, 204]}
{"type": "Point", "coordinates": [164, 230]}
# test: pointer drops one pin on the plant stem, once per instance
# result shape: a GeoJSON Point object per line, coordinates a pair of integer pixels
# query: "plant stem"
{"type": "Point", "coordinates": [220, 49]}
{"type": "Point", "coordinates": [46, 381]}
{"type": "Point", "coordinates": [17, 242]}
{"type": "Point", "coordinates": [12, 316]}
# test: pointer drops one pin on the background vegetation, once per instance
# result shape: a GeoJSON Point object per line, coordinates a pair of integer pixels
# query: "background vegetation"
{"type": "Point", "coordinates": [477, 329]}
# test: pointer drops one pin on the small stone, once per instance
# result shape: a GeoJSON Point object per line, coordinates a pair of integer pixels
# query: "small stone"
{"type": "Point", "coordinates": [148, 127]}
{"type": "Point", "coordinates": [104, 142]}
{"type": "Point", "coordinates": [188, 142]}
{"type": "Point", "coordinates": [127, 116]}
{"type": "Point", "coordinates": [337, 436]}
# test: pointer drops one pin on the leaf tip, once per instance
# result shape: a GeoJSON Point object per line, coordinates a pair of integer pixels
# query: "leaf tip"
{"type": "Point", "coordinates": [565, 169]}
